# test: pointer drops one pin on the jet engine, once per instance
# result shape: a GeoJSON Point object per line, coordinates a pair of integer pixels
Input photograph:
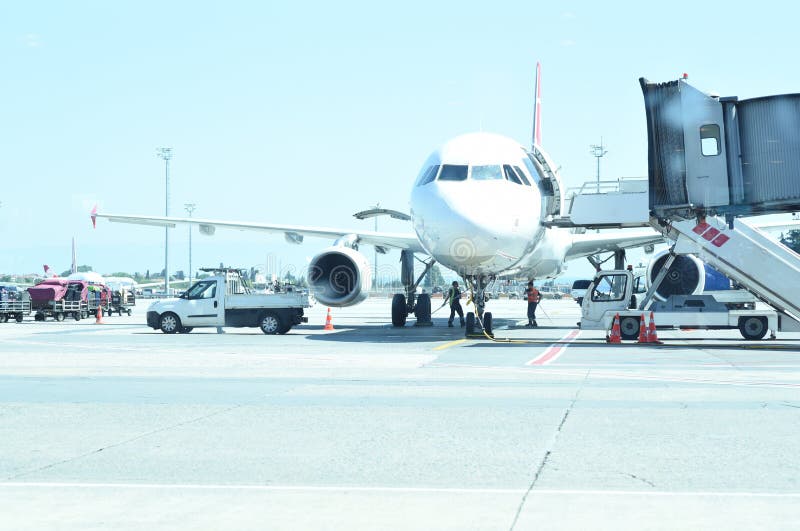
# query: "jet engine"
{"type": "Point", "coordinates": [339, 276]}
{"type": "Point", "coordinates": [688, 275]}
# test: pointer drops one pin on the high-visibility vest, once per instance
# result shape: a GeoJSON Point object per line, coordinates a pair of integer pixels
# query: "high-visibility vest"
{"type": "Point", "coordinates": [533, 295]}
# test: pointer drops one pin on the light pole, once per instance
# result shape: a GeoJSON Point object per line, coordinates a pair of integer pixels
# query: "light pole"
{"type": "Point", "coordinates": [166, 154]}
{"type": "Point", "coordinates": [598, 151]}
{"type": "Point", "coordinates": [190, 207]}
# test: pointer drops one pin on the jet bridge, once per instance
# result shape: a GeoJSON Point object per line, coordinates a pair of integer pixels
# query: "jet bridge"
{"type": "Point", "coordinates": [713, 159]}
{"type": "Point", "coordinates": [721, 155]}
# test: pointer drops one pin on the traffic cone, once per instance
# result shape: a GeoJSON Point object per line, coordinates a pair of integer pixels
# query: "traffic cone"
{"type": "Point", "coordinates": [616, 336]}
{"type": "Point", "coordinates": [328, 322]}
{"type": "Point", "coordinates": [652, 336]}
{"type": "Point", "coordinates": [99, 316]}
{"type": "Point", "coordinates": [644, 336]}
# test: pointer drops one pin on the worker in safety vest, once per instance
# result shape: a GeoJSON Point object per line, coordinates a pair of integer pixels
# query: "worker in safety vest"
{"type": "Point", "coordinates": [453, 299]}
{"type": "Point", "coordinates": [533, 297]}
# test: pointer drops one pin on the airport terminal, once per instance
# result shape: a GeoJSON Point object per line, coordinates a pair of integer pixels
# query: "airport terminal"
{"type": "Point", "coordinates": [667, 392]}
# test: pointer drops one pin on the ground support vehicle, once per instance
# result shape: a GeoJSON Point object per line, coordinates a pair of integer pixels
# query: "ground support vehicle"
{"type": "Point", "coordinates": [225, 299]}
{"type": "Point", "coordinates": [14, 310]}
{"type": "Point", "coordinates": [59, 298]}
{"type": "Point", "coordinates": [610, 294]}
{"type": "Point", "coordinates": [122, 301]}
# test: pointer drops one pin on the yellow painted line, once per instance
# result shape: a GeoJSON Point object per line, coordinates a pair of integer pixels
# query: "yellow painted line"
{"type": "Point", "coordinates": [451, 344]}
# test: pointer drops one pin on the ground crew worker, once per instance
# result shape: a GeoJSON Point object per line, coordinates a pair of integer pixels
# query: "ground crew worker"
{"type": "Point", "coordinates": [453, 299]}
{"type": "Point", "coordinates": [532, 294]}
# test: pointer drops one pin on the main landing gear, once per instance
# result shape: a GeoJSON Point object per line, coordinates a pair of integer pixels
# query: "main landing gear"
{"type": "Point", "coordinates": [409, 303]}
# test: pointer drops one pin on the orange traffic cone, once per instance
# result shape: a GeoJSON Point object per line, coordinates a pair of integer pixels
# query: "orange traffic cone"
{"type": "Point", "coordinates": [643, 333]}
{"type": "Point", "coordinates": [652, 336]}
{"type": "Point", "coordinates": [616, 336]}
{"type": "Point", "coordinates": [99, 316]}
{"type": "Point", "coordinates": [328, 322]}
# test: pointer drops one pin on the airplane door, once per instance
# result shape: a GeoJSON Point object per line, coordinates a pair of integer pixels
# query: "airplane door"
{"type": "Point", "coordinates": [203, 305]}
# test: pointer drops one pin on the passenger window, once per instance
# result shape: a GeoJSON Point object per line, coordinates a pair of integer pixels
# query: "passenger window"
{"type": "Point", "coordinates": [511, 175]}
{"type": "Point", "coordinates": [709, 140]}
{"type": "Point", "coordinates": [428, 176]}
{"type": "Point", "coordinates": [452, 172]}
{"type": "Point", "coordinates": [487, 173]}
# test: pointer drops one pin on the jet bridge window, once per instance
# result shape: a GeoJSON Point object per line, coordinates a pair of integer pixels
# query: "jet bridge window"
{"type": "Point", "coordinates": [487, 173]}
{"type": "Point", "coordinates": [428, 175]}
{"type": "Point", "coordinates": [709, 140]}
{"type": "Point", "coordinates": [610, 288]}
{"type": "Point", "coordinates": [453, 172]}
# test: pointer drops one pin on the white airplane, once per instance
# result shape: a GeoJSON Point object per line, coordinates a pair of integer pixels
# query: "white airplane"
{"type": "Point", "coordinates": [478, 207]}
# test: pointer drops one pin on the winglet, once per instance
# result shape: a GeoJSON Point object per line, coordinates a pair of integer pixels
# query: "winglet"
{"type": "Point", "coordinates": [94, 217]}
{"type": "Point", "coordinates": [536, 137]}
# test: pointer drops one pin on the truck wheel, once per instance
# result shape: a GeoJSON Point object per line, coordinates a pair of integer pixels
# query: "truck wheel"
{"type": "Point", "coordinates": [38, 317]}
{"type": "Point", "coordinates": [270, 323]}
{"type": "Point", "coordinates": [3, 318]}
{"type": "Point", "coordinates": [753, 328]}
{"type": "Point", "coordinates": [76, 316]}
{"type": "Point", "coordinates": [19, 317]}
{"type": "Point", "coordinates": [169, 323]}
{"type": "Point", "coordinates": [399, 310]}
{"type": "Point", "coordinates": [59, 317]}
{"type": "Point", "coordinates": [629, 327]}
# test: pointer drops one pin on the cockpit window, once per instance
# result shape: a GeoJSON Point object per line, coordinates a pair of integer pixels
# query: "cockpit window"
{"type": "Point", "coordinates": [487, 173]}
{"type": "Point", "coordinates": [428, 176]}
{"type": "Point", "coordinates": [521, 174]}
{"type": "Point", "coordinates": [510, 174]}
{"type": "Point", "coordinates": [453, 172]}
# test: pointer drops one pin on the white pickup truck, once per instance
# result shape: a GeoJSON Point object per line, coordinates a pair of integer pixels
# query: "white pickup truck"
{"type": "Point", "coordinates": [225, 299]}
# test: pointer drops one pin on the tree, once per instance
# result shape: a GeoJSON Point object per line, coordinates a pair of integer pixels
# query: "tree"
{"type": "Point", "coordinates": [434, 277]}
{"type": "Point", "coordinates": [792, 240]}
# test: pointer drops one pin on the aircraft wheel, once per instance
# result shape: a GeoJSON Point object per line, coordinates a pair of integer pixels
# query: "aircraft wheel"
{"type": "Point", "coordinates": [629, 327]}
{"type": "Point", "coordinates": [487, 324]}
{"type": "Point", "coordinates": [399, 310]}
{"type": "Point", "coordinates": [753, 328]}
{"type": "Point", "coordinates": [270, 323]}
{"type": "Point", "coordinates": [169, 323]}
{"type": "Point", "coordinates": [470, 328]}
{"type": "Point", "coordinates": [423, 309]}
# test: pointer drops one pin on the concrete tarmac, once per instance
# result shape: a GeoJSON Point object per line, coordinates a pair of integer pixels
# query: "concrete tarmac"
{"type": "Point", "coordinates": [117, 426]}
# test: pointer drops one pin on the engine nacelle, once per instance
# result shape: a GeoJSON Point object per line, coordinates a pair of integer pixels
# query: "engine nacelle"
{"type": "Point", "coordinates": [688, 275]}
{"type": "Point", "coordinates": [339, 276]}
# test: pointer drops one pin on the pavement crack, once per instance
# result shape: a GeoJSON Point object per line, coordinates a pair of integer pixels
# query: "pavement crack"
{"type": "Point", "coordinates": [550, 447]}
{"type": "Point", "coordinates": [637, 478]}
{"type": "Point", "coordinates": [120, 443]}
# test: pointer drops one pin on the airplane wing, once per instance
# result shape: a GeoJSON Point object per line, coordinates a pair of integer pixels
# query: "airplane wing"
{"type": "Point", "coordinates": [292, 233]}
{"type": "Point", "coordinates": [599, 242]}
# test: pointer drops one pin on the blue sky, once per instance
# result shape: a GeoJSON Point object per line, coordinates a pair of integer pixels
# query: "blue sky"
{"type": "Point", "coordinates": [305, 113]}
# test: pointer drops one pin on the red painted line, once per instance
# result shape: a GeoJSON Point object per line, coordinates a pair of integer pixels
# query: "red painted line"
{"type": "Point", "coordinates": [554, 351]}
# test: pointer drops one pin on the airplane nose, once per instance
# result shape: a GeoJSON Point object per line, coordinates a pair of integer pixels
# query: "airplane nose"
{"type": "Point", "coordinates": [462, 230]}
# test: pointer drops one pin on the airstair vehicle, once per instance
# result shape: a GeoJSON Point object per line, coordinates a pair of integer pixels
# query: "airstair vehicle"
{"type": "Point", "coordinates": [711, 161]}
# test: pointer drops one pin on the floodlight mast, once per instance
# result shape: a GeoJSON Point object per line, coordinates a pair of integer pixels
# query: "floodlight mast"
{"type": "Point", "coordinates": [165, 153]}
{"type": "Point", "coordinates": [598, 151]}
{"type": "Point", "coordinates": [190, 207]}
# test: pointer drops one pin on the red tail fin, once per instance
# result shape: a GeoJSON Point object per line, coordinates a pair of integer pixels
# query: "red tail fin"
{"type": "Point", "coordinates": [94, 217]}
{"type": "Point", "coordinates": [537, 108]}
